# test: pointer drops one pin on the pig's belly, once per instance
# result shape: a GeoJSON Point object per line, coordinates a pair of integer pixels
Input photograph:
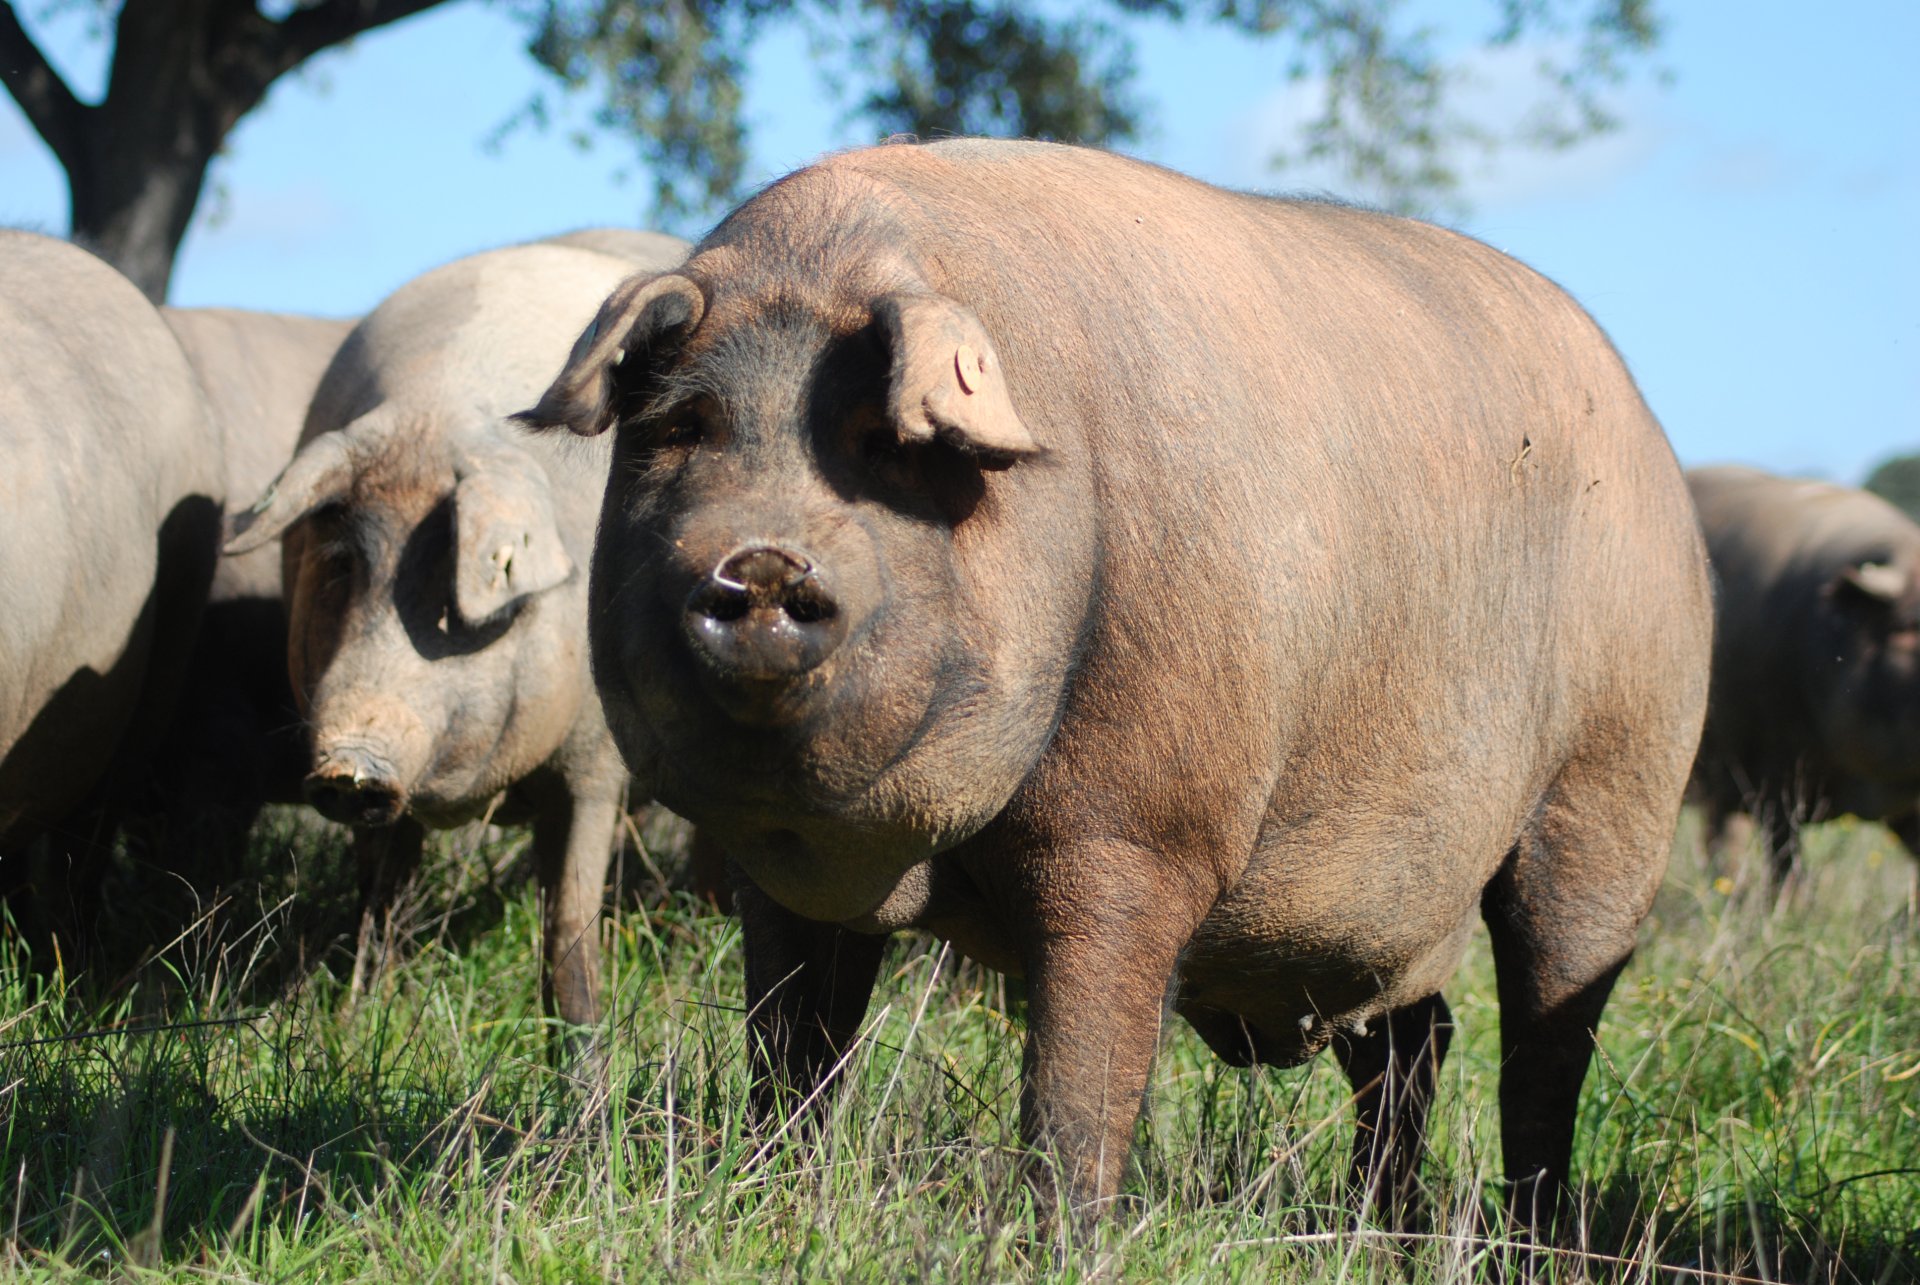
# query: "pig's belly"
{"type": "Point", "coordinates": [1310, 944]}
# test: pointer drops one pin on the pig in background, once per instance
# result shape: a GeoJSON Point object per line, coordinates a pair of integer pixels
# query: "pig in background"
{"type": "Point", "coordinates": [1815, 705]}
{"type": "Point", "coordinates": [236, 742]}
{"type": "Point", "coordinates": [1159, 592]}
{"type": "Point", "coordinates": [110, 494]}
{"type": "Point", "coordinates": [433, 563]}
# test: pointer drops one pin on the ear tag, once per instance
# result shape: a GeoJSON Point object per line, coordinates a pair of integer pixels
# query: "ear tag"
{"type": "Point", "coordinates": [969, 366]}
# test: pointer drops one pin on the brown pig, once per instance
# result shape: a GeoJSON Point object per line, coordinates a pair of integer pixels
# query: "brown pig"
{"type": "Point", "coordinates": [1815, 709]}
{"type": "Point", "coordinates": [1158, 592]}
{"type": "Point", "coordinates": [438, 623]}
{"type": "Point", "coordinates": [109, 525]}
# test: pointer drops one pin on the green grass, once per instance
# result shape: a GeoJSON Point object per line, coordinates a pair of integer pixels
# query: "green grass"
{"type": "Point", "coordinates": [1756, 1110]}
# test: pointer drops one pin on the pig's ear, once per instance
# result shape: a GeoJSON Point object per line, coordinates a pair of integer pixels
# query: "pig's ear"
{"type": "Point", "coordinates": [642, 320]}
{"type": "Point", "coordinates": [322, 471]}
{"type": "Point", "coordinates": [506, 542]}
{"type": "Point", "coordinates": [1883, 583]}
{"type": "Point", "coordinates": [947, 382]}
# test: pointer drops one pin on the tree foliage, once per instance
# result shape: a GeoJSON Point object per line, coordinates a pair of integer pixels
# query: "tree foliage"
{"type": "Point", "coordinates": [668, 74]}
{"type": "Point", "coordinates": [1897, 481]}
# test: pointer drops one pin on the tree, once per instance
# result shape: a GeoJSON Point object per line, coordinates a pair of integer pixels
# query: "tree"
{"type": "Point", "coordinates": [182, 73]}
{"type": "Point", "coordinates": [1897, 481]}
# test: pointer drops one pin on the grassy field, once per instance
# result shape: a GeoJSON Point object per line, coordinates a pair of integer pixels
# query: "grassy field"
{"type": "Point", "coordinates": [1755, 1113]}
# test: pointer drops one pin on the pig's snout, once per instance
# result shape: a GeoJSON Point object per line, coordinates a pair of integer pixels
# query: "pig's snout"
{"type": "Point", "coordinates": [356, 787]}
{"type": "Point", "coordinates": [764, 614]}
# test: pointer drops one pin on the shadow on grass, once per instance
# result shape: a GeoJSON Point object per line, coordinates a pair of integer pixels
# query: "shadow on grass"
{"type": "Point", "coordinates": [1751, 1234]}
{"type": "Point", "coordinates": [123, 1145]}
{"type": "Point", "coordinates": [292, 898]}
{"type": "Point", "coordinates": [210, 1062]}
{"type": "Point", "coordinates": [195, 1055]}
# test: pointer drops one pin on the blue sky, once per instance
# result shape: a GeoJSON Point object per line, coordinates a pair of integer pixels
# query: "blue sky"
{"type": "Point", "coordinates": [1748, 237]}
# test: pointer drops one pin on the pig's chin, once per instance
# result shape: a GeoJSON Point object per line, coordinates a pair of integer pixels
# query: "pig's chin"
{"type": "Point", "coordinates": [438, 812]}
{"type": "Point", "coordinates": [815, 745]}
{"type": "Point", "coordinates": [866, 890]}
{"type": "Point", "coordinates": [772, 704]}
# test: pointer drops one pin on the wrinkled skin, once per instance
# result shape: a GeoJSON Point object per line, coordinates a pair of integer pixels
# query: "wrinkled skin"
{"type": "Point", "coordinates": [110, 499]}
{"type": "Point", "coordinates": [237, 742]}
{"type": "Point", "coordinates": [1155, 591]}
{"type": "Point", "coordinates": [437, 617]}
{"type": "Point", "coordinates": [1815, 706]}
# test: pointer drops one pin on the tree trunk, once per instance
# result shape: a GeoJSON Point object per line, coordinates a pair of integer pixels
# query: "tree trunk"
{"type": "Point", "coordinates": [183, 74]}
{"type": "Point", "coordinates": [131, 201]}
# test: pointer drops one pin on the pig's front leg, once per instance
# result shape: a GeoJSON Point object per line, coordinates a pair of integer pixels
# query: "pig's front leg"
{"type": "Point", "coordinates": [573, 840]}
{"type": "Point", "coordinates": [808, 986]}
{"type": "Point", "coordinates": [1106, 934]}
{"type": "Point", "coordinates": [385, 859]}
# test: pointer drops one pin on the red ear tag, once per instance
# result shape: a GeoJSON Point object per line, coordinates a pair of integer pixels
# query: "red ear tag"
{"type": "Point", "coordinates": [968, 365]}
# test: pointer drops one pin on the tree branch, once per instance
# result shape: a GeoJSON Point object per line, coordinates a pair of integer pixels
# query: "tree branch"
{"type": "Point", "coordinates": [45, 99]}
{"type": "Point", "coordinates": [305, 32]}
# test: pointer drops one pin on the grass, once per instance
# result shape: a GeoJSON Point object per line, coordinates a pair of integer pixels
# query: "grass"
{"type": "Point", "coordinates": [1755, 1112]}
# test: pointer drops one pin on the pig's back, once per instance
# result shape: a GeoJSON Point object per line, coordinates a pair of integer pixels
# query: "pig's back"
{"type": "Point", "coordinates": [108, 467]}
{"type": "Point", "coordinates": [1361, 423]}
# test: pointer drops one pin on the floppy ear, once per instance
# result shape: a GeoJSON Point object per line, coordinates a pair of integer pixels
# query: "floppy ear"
{"type": "Point", "coordinates": [322, 471]}
{"type": "Point", "coordinates": [506, 542]}
{"type": "Point", "coordinates": [642, 319]}
{"type": "Point", "coordinates": [1883, 583]}
{"type": "Point", "coordinates": [947, 381]}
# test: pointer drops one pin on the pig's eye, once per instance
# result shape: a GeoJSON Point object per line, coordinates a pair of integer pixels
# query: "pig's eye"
{"type": "Point", "coordinates": [333, 546]}
{"type": "Point", "coordinates": [922, 473]}
{"type": "Point", "coordinates": [683, 430]}
{"type": "Point", "coordinates": [888, 459]}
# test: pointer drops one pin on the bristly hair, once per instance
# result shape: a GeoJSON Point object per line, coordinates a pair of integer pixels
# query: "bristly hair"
{"type": "Point", "coordinates": [732, 360]}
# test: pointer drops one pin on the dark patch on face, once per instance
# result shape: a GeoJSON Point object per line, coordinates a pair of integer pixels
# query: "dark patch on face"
{"type": "Point", "coordinates": [341, 544]}
{"type": "Point", "coordinates": [637, 382]}
{"type": "Point", "coordinates": [348, 543]}
{"type": "Point", "coordinates": [423, 592]}
{"type": "Point", "coordinates": [343, 541]}
{"type": "Point", "coordinates": [745, 383]}
{"type": "Point", "coordinates": [858, 448]}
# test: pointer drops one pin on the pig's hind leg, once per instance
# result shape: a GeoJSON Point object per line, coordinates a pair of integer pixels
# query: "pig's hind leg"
{"type": "Point", "coordinates": [1563, 913]}
{"type": "Point", "coordinates": [1392, 1068]}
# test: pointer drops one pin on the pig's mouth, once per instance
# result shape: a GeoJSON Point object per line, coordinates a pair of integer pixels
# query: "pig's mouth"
{"type": "Point", "coordinates": [353, 785]}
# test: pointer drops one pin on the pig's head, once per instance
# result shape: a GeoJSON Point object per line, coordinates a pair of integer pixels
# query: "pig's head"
{"type": "Point", "coordinates": [1869, 656]}
{"type": "Point", "coordinates": [435, 618]}
{"type": "Point", "coordinates": [821, 600]}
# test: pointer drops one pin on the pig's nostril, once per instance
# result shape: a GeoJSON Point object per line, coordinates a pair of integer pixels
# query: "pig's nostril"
{"type": "Point", "coordinates": [762, 571]}
{"type": "Point", "coordinates": [808, 604]}
{"type": "Point", "coordinates": [763, 577]}
{"type": "Point", "coordinates": [720, 601]}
